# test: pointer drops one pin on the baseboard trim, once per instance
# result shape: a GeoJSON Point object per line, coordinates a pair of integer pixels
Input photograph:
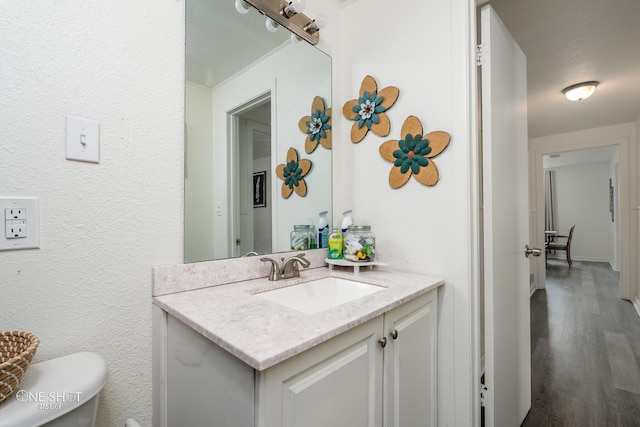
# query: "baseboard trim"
{"type": "Point", "coordinates": [579, 258]}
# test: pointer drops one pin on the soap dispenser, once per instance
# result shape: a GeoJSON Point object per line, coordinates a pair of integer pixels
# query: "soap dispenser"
{"type": "Point", "coordinates": [323, 230]}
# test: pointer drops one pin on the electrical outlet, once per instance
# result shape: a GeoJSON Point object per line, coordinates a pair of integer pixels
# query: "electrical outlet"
{"type": "Point", "coordinates": [16, 231]}
{"type": "Point", "coordinates": [20, 218]}
{"type": "Point", "coordinates": [16, 214]}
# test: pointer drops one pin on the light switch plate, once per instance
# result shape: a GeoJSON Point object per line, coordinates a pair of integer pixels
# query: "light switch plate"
{"type": "Point", "coordinates": [82, 140]}
{"type": "Point", "coordinates": [20, 218]}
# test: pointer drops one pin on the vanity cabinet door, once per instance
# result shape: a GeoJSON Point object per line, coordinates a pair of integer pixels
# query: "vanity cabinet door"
{"type": "Point", "coordinates": [337, 383]}
{"type": "Point", "coordinates": [410, 363]}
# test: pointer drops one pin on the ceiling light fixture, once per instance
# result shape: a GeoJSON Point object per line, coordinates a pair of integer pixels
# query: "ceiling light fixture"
{"type": "Point", "coordinates": [580, 91]}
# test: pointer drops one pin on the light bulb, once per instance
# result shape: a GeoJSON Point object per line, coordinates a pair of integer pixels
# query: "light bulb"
{"type": "Point", "coordinates": [297, 6]}
{"type": "Point", "coordinates": [293, 7]}
{"type": "Point", "coordinates": [321, 21]}
{"type": "Point", "coordinates": [242, 7]}
{"type": "Point", "coordinates": [271, 25]}
{"type": "Point", "coordinates": [295, 38]}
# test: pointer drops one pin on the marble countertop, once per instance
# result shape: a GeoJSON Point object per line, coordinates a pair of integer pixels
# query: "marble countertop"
{"type": "Point", "coordinates": [263, 333]}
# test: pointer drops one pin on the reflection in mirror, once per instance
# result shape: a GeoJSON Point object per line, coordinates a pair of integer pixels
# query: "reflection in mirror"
{"type": "Point", "coordinates": [246, 90]}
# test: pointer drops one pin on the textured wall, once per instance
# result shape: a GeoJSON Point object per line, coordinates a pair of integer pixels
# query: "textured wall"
{"type": "Point", "coordinates": [102, 226]}
{"type": "Point", "coordinates": [419, 47]}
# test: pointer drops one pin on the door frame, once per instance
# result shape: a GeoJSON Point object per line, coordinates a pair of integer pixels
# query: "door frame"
{"type": "Point", "coordinates": [628, 221]}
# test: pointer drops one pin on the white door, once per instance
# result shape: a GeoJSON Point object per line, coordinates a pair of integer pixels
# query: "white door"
{"type": "Point", "coordinates": [505, 210]}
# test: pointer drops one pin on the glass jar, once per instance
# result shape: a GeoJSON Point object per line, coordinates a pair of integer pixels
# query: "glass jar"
{"type": "Point", "coordinates": [302, 238]}
{"type": "Point", "coordinates": [359, 243]}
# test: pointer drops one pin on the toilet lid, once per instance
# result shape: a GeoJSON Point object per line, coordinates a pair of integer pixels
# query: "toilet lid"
{"type": "Point", "coordinates": [53, 388]}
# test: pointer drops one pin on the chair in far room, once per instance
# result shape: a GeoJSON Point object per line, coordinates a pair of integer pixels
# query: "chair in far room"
{"type": "Point", "coordinates": [558, 245]}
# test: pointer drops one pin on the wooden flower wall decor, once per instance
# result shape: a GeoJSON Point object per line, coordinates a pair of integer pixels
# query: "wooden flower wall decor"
{"type": "Point", "coordinates": [292, 174]}
{"type": "Point", "coordinates": [368, 110]}
{"type": "Point", "coordinates": [317, 126]}
{"type": "Point", "coordinates": [413, 154]}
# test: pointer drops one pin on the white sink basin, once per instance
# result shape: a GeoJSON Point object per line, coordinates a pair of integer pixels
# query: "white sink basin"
{"type": "Point", "coordinates": [318, 295]}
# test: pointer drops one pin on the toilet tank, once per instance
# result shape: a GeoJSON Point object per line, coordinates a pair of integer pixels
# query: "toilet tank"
{"type": "Point", "coordinates": [57, 392]}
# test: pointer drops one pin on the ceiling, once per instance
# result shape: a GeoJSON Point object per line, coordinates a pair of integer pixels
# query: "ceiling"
{"type": "Point", "coordinates": [571, 41]}
{"type": "Point", "coordinates": [220, 41]}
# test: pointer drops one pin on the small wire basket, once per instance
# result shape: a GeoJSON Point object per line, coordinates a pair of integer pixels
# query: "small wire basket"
{"type": "Point", "coordinates": [17, 349]}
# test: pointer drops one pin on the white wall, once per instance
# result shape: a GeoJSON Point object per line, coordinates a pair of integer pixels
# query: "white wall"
{"type": "Point", "coordinates": [421, 48]}
{"type": "Point", "coordinates": [582, 198]}
{"type": "Point", "coordinates": [102, 226]}
{"type": "Point", "coordinates": [198, 175]}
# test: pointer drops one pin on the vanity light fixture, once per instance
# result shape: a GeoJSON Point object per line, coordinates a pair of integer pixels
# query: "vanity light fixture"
{"type": "Point", "coordinates": [580, 91]}
{"type": "Point", "coordinates": [288, 14]}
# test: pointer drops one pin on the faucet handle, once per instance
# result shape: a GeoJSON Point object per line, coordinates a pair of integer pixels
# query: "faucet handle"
{"type": "Point", "coordinates": [274, 273]}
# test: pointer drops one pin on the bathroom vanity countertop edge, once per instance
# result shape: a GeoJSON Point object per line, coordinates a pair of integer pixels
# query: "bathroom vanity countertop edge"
{"type": "Point", "coordinates": [262, 333]}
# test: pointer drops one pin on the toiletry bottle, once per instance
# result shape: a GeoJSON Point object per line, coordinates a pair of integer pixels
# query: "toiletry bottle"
{"type": "Point", "coordinates": [323, 230]}
{"type": "Point", "coordinates": [313, 236]}
{"type": "Point", "coordinates": [335, 244]}
{"type": "Point", "coordinates": [347, 220]}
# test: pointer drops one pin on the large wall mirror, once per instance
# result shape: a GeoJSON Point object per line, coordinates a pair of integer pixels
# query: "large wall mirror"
{"type": "Point", "coordinates": [246, 90]}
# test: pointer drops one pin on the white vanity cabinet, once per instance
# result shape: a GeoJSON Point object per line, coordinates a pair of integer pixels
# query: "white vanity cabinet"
{"type": "Point", "coordinates": [349, 380]}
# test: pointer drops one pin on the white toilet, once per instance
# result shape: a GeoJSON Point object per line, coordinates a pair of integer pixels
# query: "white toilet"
{"type": "Point", "coordinates": [57, 392]}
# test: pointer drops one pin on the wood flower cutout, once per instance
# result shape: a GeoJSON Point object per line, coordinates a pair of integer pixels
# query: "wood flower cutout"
{"type": "Point", "coordinates": [413, 154]}
{"type": "Point", "coordinates": [317, 126]}
{"type": "Point", "coordinates": [368, 110]}
{"type": "Point", "coordinates": [292, 174]}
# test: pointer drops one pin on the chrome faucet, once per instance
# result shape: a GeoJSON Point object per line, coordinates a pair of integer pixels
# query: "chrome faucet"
{"type": "Point", "coordinates": [289, 267]}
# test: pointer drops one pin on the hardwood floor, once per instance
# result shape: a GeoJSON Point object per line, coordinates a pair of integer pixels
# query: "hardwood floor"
{"type": "Point", "coordinates": [585, 345]}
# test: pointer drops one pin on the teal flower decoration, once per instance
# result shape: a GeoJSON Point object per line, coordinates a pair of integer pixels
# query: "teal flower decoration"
{"type": "Point", "coordinates": [317, 126]}
{"type": "Point", "coordinates": [368, 110]}
{"type": "Point", "coordinates": [411, 154]}
{"type": "Point", "coordinates": [292, 174]}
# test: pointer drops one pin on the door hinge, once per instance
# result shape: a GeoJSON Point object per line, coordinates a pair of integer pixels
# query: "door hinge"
{"type": "Point", "coordinates": [480, 52]}
{"type": "Point", "coordinates": [483, 392]}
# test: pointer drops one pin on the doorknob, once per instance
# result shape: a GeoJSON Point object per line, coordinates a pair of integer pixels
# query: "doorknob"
{"type": "Point", "coordinates": [531, 251]}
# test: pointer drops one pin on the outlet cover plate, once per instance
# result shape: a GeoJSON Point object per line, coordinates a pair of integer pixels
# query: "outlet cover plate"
{"type": "Point", "coordinates": [30, 210]}
{"type": "Point", "coordinates": [82, 140]}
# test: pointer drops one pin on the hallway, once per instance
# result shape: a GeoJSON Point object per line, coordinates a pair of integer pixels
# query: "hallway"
{"type": "Point", "coordinates": [585, 344]}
